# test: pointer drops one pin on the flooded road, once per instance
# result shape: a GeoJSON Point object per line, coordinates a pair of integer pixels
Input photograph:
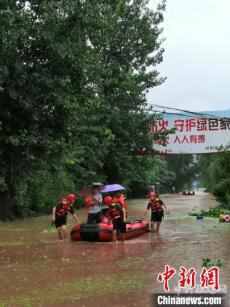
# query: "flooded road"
{"type": "Point", "coordinates": [37, 270]}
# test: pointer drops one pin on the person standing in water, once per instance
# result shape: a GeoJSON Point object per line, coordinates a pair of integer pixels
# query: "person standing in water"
{"type": "Point", "coordinates": [94, 210]}
{"type": "Point", "coordinates": [117, 214]}
{"type": "Point", "coordinates": [157, 207]}
{"type": "Point", "coordinates": [119, 198]}
{"type": "Point", "coordinates": [59, 215]}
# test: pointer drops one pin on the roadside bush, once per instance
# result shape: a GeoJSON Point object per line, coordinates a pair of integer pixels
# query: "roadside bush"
{"type": "Point", "coordinates": [40, 193]}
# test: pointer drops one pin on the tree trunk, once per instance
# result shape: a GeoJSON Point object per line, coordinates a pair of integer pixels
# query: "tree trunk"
{"type": "Point", "coordinates": [7, 206]}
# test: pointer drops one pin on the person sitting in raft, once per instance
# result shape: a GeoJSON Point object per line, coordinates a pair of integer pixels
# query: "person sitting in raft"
{"type": "Point", "coordinates": [157, 211]}
{"type": "Point", "coordinates": [117, 215]}
{"type": "Point", "coordinates": [60, 212]}
{"type": "Point", "coordinates": [105, 216]}
{"type": "Point", "coordinates": [94, 206]}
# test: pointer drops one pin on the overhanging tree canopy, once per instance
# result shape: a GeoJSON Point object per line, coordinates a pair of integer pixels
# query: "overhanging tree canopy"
{"type": "Point", "coordinates": [73, 78]}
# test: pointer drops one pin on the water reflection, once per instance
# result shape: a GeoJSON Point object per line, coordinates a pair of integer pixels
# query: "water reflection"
{"type": "Point", "coordinates": [31, 259]}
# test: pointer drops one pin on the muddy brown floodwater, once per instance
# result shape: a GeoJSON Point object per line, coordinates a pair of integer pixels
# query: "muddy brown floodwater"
{"type": "Point", "coordinates": [37, 270]}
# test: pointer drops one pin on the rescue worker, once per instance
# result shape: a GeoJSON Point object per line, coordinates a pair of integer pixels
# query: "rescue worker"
{"type": "Point", "coordinates": [156, 205]}
{"type": "Point", "coordinates": [117, 214]}
{"type": "Point", "coordinates": [60, 212]}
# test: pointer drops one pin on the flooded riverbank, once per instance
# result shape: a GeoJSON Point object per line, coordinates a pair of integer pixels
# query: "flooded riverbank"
{"type": "Point", "coordinates": [37, 270]}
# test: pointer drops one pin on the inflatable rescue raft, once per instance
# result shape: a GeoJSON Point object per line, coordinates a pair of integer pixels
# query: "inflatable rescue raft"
{"type": "Point", "coordinates": [104, 232]}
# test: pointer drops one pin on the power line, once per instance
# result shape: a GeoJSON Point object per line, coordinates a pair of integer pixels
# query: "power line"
{"type": "Point", "coordinates": [188, 112]}
{"type": "Point", "coordinates": [173, 113]}
{"type": "Point", "coordinates": [178, 114]}
{"type": "Point", "coordinates": [184, 111]}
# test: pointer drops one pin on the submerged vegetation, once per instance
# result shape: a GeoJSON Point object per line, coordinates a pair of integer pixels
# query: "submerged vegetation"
{"type": "Point", "coordinates": [208, 263]}
{"type": "Point", "coordinates": [214, 212]}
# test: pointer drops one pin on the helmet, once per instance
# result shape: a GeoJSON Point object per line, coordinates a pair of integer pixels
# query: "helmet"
{"type": "Point", "coordinates": [97, 184]}
{"type": "Point", "coordinates": [71, 198]}
{"type": "Point", "coordinates": [64, 201]}
{"type": "Point", "coordinates": [108, 200]}
{"type": "Point", "coordinates": [88, 201]}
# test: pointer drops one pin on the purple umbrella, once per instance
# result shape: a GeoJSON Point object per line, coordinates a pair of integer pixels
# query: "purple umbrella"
{"type": "Point", "coordinates": [112, 188]}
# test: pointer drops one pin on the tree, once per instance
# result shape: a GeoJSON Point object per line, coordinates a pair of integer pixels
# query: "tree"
{"type": "Point", "coordinates": [215, 171]}
{"type": "Point", "coordinates": [185, 170]}
{"type": "Point", "coordinates": [73, 78]}
{"type": "Point", "coordinates": [125, 36]}
{"type": "Point", "coordinates": [37, 65]}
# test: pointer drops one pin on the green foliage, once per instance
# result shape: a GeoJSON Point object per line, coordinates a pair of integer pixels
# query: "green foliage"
{"type": "Point", "coordinates": [73, 79]}
{"type": "Point", "coordinates": [208, 263]}
{"type": "Point", "coordinates": [214, 212]}
{"type": "Point", "coordinates": [215, 173]}
{"type": "Point", "coordinates": [185, 169]}
{"type": "Point", "coordinates": [35, 87]}
{"type": "Point", "coordinates": [148, 170]}
{"type": "Point", "coordinates": [40, 192]}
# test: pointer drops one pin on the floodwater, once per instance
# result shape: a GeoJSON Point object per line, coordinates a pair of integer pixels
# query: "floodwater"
{"type": "Point", "coordinates": [37, 270]}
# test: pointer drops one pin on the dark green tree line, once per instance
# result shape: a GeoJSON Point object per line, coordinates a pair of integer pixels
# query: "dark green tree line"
{"type": "Point", "coordinates": [185, 169]}
{"type": "Point", "coordinates": [73, 78]}
{"type": "Point", "coordinates": [215, 175]}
